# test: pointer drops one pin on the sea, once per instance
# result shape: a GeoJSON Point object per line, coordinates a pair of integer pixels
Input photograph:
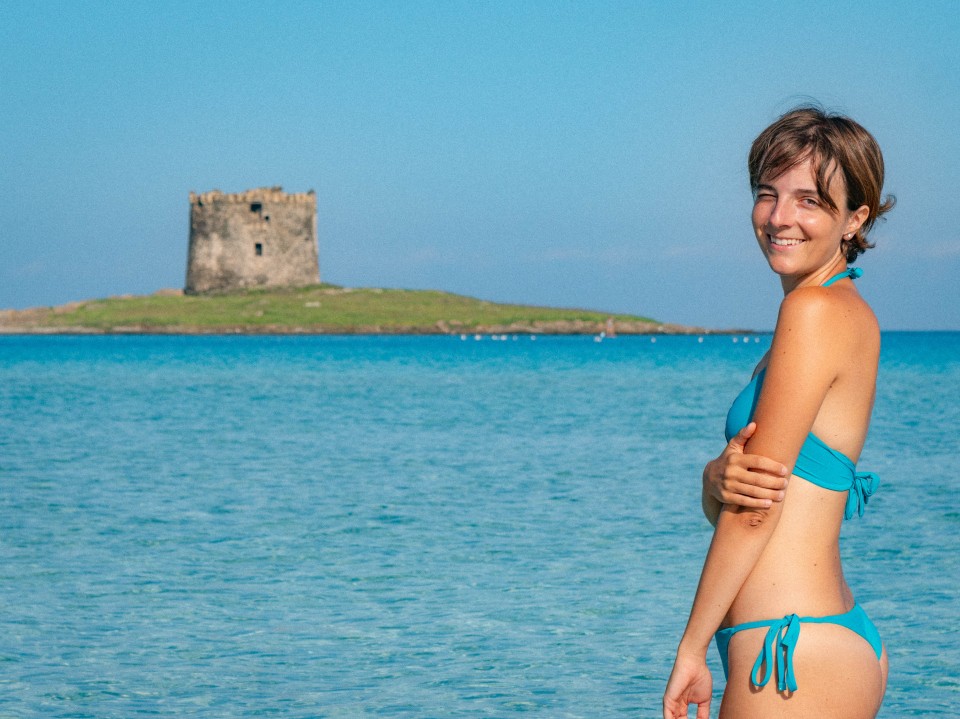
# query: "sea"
{"type": "Point", "coordinates": [416, 526]}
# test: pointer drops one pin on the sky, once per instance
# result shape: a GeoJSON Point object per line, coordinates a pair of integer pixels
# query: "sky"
{"type": "Point", "coordinates": [576, 154]}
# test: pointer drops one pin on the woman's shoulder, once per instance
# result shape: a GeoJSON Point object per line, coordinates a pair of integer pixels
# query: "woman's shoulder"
{"type": "Point", "coordinates": [842, 319]}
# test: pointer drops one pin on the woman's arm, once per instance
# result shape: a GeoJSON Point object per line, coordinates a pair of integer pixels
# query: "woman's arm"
{"type": "Point", "coordinates": [746, 480]}
{"type": "Point", "coordinates": [801, 368]}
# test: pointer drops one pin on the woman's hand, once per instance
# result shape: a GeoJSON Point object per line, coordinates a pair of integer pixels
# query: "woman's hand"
{"type": "Point", "coordinates": [745, 480]}
{"type": "Point", "coordinates": [690, 683]}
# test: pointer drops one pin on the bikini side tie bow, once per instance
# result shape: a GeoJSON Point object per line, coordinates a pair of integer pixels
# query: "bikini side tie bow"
{"type": "Point", "coordinates": [777, 654]}
{"type": "Point", "coordinates": [863, 487]}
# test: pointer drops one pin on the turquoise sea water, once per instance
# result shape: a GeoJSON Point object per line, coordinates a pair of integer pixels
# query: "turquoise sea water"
{"type": "Point", "coordinates": [415, 526]}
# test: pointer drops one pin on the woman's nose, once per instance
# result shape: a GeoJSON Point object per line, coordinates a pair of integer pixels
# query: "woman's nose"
{"type": "Point", "coordinates": [780, 214]}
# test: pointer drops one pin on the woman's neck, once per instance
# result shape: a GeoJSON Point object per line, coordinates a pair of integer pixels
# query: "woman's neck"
{"type": "Point", "coordinates": [815, 278]}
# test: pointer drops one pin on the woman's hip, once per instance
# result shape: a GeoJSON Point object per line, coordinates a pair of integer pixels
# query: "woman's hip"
{"type": "Point", "coordinates": [835, 659]}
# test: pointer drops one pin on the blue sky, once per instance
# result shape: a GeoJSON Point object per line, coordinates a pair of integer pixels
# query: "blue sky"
{"type": "Point", "coordinates": [579, 154]}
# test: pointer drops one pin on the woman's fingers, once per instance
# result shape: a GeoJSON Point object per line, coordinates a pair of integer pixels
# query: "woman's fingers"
{"type": "Point", "coordinates": [745, 500]}
{"type": "Point", "coordinates": [739, 440]}
{"type": "Point", "coordinates": [761, 464]}
{"type": "Point", "coordinates": [763, 472]}
{"type": "Point", "coordinates": [755, 469]}
{"type": "Point", "coordinates": [752, 495]}
{"type": "Point", "coordinates": [752, 461]}
{"type": "Point", "coordinates": [746, 480]}
{"type": "Point", "coordinates": [742, 500]}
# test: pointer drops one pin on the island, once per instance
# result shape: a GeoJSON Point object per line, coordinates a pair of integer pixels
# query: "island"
{"type": "Point", "coordinates": [322, 309]}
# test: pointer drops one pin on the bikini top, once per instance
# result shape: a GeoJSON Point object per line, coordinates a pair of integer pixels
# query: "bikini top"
{"type": "Point", "coordinates": [817, 462]}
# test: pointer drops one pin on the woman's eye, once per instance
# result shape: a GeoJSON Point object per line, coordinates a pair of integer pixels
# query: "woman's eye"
{"type": "Point", "coordinates": [810, 202]}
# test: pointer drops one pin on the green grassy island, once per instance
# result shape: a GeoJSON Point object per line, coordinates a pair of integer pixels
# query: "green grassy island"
{"type": "Point", "coordinates": [319, 309]}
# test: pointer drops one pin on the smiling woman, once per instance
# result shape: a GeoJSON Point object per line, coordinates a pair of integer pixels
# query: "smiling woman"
{"type": "Point", "coordinates": [795, 226]}
{"type": "Point", "coordinates": [803, 163]}
{"type": "Point", "coordinates": [773, 574]}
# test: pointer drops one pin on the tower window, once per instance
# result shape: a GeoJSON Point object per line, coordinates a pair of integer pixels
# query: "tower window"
{"type": "Point", "coordinates": [256, 206]}
{"type": "Point", "coordinates": [258, 249]}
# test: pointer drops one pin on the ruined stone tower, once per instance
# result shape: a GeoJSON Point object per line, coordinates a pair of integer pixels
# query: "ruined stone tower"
{"type": "Point", "coordinates": [258, 238]}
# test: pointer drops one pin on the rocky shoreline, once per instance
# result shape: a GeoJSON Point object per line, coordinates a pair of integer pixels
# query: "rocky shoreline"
{"type": "Point", "coordinates": [533, 328]}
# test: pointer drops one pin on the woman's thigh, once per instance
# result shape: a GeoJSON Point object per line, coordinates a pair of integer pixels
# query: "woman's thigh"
{"type": "Point", "coordinates": [837, 672]}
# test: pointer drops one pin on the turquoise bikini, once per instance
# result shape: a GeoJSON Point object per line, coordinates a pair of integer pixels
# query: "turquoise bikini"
{"type": "Point", "coordinates": [781, 640]}
{"type": "Point", "coordinates": [826, 467]}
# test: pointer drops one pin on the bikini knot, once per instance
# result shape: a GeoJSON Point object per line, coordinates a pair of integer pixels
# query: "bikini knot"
{"type": "Point", "coordinates": [855, 273]}
{"type": "Point", "coordinates": [863, 487]}
{"type": "Point", "coordinates": [777, 654]}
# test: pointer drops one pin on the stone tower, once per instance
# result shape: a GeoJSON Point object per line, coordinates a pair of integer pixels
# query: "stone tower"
{"type": "Point", "coordinates": [258, 238]}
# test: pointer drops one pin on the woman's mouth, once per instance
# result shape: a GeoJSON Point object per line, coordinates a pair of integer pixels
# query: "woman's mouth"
{"type": "Point", "coordinates": [784, 241]}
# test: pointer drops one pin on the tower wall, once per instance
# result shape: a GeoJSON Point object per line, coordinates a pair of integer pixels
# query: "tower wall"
{"type": "Point", "coordinates": [258, 238]}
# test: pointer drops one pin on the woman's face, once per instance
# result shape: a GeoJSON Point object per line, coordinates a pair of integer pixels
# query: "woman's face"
{"type": "Point", "coordinates": [798, 232]}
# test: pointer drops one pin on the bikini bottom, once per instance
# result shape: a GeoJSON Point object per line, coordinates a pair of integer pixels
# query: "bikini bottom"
{"type": "Point", "coordinates": [781, 640]}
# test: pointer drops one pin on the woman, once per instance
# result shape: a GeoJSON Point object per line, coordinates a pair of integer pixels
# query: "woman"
{"type": "Point", "coordinates": [792, 640]}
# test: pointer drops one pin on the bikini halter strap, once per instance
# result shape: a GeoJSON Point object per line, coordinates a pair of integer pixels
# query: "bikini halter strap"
{"type": "Point", "coordinates": [851, 272]}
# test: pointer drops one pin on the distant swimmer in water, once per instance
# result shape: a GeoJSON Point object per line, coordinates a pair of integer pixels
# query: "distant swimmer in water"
{"type": "Point", "coordinates": [792, 640]}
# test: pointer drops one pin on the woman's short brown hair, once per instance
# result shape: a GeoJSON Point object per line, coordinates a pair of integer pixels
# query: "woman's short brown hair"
{"type": "Point", "coordinates": [833, 142]}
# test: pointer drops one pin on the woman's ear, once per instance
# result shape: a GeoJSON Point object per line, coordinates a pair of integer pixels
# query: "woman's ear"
{"type": "Point", "coordinates": [857, 218]}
